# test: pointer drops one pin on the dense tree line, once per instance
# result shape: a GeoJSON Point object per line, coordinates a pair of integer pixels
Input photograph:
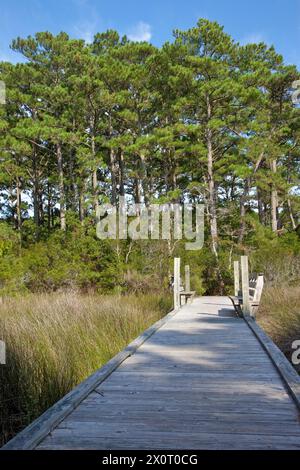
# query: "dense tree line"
{"type": "Point", "coordinates": [201, 119]}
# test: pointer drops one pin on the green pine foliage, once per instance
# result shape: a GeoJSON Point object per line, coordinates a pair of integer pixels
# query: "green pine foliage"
{"type": "Point", "coordinates": [202, 119]}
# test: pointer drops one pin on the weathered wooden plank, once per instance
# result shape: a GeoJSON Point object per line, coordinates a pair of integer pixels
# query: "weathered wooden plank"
{"type": "Point", "coordinates": [204, 378]}
{"type": "Point", "coordinates": [134, 426]}
{"type": "Point", "coordinates": [211, 400]}
{"type": "Point", "coordinates": [165, 366]}
{"type": "Point", "coordinates": [213, 377]}
{"type": "Point", "coordinates": [95, 410]}
{"type": "Point", "coordinates": [170, 440]}
{"type": "Point", "coordinates": [202, 353]}
{"type": "Point", "coordinates": [274, 394]}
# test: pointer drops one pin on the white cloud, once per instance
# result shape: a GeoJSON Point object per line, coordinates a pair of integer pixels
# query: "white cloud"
{"type": "Point", "coordinates": [253, 38]}
{"type": "Point", "coordinates": [140, 32]}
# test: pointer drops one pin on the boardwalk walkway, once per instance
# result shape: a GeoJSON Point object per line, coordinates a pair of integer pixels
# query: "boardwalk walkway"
{"type": "Point", "coordinates": [202, 381]}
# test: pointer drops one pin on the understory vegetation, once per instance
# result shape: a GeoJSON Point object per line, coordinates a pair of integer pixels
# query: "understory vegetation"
{"type": "Point", "coordinates": [279, 316]}
{"type": "Point", "coordinates": [55, 341]}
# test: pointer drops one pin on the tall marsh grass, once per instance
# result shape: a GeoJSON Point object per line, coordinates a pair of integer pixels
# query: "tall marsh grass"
{"type": "Point", "coordinates": [279, 316]}
{"type": "Point", "coordinates": [55, 341]}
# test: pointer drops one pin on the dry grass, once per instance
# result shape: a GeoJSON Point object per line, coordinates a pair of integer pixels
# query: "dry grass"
{"type": "Point", "coordinates": [55, 341]}
{"type": "Point", "coordinates": [279, 316]}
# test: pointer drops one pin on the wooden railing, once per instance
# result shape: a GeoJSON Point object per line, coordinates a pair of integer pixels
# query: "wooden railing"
{"type": "Point", "coordinates": [182, 293]}
{"type": "Point", "coordinates": [246, 299]}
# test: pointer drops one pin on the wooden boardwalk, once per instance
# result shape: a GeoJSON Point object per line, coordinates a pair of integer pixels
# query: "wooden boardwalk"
{"type": "Point", "coordinates": [201, 381]}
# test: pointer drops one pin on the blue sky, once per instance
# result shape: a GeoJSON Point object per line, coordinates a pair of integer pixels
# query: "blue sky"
{"type": "Point", "coordinates": [273, 21]}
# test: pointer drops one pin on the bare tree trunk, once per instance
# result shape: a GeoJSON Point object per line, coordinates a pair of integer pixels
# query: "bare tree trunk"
{"type": "Point", "coordinates": [174, 179]}
{"type": "Point", "coordinates": [289, 204]}
{"type": "Point", "coordinates": [95, 190]}
{"type": "Point", "coordinates": [122, 173]}
{"type": "Point", "coordinates": [49, 206]}
{"type": "Point", "coordinates": [242, 220]}
{"type": "Point", "coordinates": [81, 189]}
{"type": "Point", "coordinates": [94, 174]}
{"type": "Point", "coordinates": [260, 206]}
{"type": "Point", "coordinates": [71, 200]}
{"type": "Point", "coordinates": [113, 176]}
{"type": "Point", "coordinates": [137, 190]}
{"type": "Point", "coordinates": [81, 206]}
{"type": "Point", "coordinates": [145, 184]}
{"type": "Point", "coordinates": [18, 205]}
{"type": "Point", "coordinates": [274, 200]}
{"type": "Point", "coordinates": [243, 212]}
{"type": "Point", "coordinates": [36, 211]}
{"type": "Point", "coordinates": [41, 206]}
{"type": "Point", "coordinates": [211, 187]}
{"type": "Point", "coordinates": [171, 171]}
{"type": "Point", "coordinates": [62, 198]}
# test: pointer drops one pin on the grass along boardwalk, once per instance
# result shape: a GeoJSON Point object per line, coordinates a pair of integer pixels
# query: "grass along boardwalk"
{"type": "Point", "coordinates": [202, 380]}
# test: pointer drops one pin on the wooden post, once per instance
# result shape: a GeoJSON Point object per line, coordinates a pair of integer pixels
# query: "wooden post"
{"type": "Point", "coordinates": [245, 285]}
{"type": "Point", "coordinates": [259, 287]}
{"type": "Point", "coordinates": [176, 283]}
{"type": "Point", "coordinates": [2, 352]}
{"type": "Point", "coordinates": [236, 278]}
{"type": "Point", "coordinates": [187, 278]}
{"type": "Point", "coordinates": [258, 293]}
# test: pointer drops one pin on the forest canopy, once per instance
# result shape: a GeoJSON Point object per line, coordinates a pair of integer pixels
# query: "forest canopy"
{"type": "Point", "coordinates": [201, 119]}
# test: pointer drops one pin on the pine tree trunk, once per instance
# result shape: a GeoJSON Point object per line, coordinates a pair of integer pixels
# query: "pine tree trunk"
{"type": "Point", "coordinates": [137, 190]}
{"type": "Point", "coordinates": [94, 175]}
{"type": "Point", "coordinates": [211, 187]}
{"type": "Point", "coordinates": [174, 179]}
{"type": "Point", "coordinates": [274, 200]}
{"type": "Point", "coordinates": [212, 203]}
{"type": "Point", "coordinates": [171, 171]}
{"type": "Point", "coordinates": [243, 212]}
{"type": "Point", "coordinates": [81, 206]}
{"type": "Point", "coordinates": [18, 205]}
{"type": "Point", "coordinates": [49, 206]}
{"type": "Point", "coordinates": [242, 220]}
{"type": "Point", "coordinates": [260, 206]}
{"type": "Point", "coordinates": [145, 184]}
{"type": "Point", "coordinates": [292, 218]}
{"type": "Point", "coordinates": [41, 206]}
{"type": "Point", "coordinates": [82, 187]}
{"type": "Point", "coordinates": [36, 212]}
{"type": "Point", "coordinates": [95, 190]}
{"type": "Point", "coordinates": [113, 177]}
{"type": "Point", "coordinates": [72, 199]}
{"type": "Point", "coordinates": [122, 173]}
{"type": "Point", "coordinates": [62, 198]}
